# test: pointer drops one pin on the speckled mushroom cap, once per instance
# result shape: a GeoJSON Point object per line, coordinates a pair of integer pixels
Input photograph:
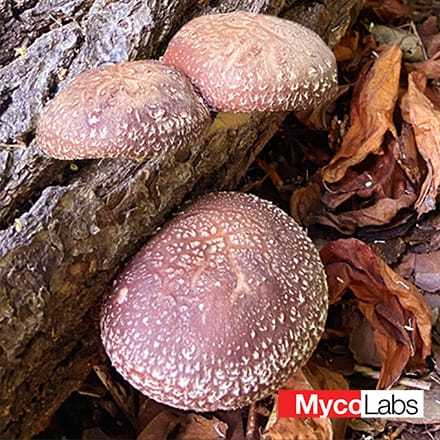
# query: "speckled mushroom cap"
{"type": "Point", "coordinates": [130, 110]}
{"type": "Point", "coordinates": [219, 308]}
{"type": "Point", "coordinates": [246, 62]}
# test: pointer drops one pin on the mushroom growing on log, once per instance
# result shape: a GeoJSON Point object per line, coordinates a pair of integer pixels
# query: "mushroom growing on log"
{"type": "Point", "coordinates": [131, 110]}
{"type": "Point", "coordinates": [244, 62]}
{"type": "Point", "coordinates": [240, 61]}
{"type": "Point", "coordinates": [219, 308]}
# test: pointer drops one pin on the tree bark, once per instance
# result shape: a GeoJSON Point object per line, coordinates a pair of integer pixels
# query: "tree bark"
{"type": "Point", "coordinates": [68, 229]}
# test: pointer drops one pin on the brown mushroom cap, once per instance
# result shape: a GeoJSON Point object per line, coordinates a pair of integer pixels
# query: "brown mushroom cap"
{"type": "Point", "coordinates": [246, 62]}
{"type": "Point", "coordinates": [219, 308]}
{"type": "Point", "coordinates": [130, 110]}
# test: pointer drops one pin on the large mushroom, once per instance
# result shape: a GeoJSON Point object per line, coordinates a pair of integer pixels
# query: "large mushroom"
{"type": "Point", "coordinates": [245, 62]}
{"type": "Point", "coordinates": [219, 308]}
{"type": "Point", "coordinates": [132, 110]}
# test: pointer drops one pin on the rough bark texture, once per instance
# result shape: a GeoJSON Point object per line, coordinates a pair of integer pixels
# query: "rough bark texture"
{"type": "Point", "coordinates": [67, 230]}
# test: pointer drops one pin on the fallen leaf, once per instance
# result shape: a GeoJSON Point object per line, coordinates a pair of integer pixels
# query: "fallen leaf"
{"type": "Point", "coordinates": [430, 34]}
{"type": "Point", "coordinates": [423, 270]}
{"type": "Point", "coordinates": [161, 426]}
{"type": "Point", "coordinates": [184, 427]}
{"type": "Point", "coordinates": [297, 429]}
{"type": "Point", "coordinates": [395, 309]}
{"type": "Point", "coordinates": [389, 9]}
{"type": "Point", "coordinates": [382, 212]}
{"type": "Point", "coordinates": [367, 197]}
{"type": "Point", "coordinates": [419, 112]}
{"type": "Point", "coordinates": [148, 409]}
{"type": "Point", "coordinates": [430, 67]}
{"type": "Point", "coordinates": [234, 421]}
{"type": "Point", "coordinates": [371, 116]}
{"type": "Point", "coordinates": [390, 250]}
{"type": "Point", "coordinates": [321, 378]}
{"type": "Point", "coordinates": [433, 93]}
{"type": "Point", "coordinates": [383, 184]}
{"type": "Point", "coordinates": [361, 56]}
{"type": "Point", "coordinates": [347, 47]}
{"type": "Point", "coordinates": [362, 345]}
{"type": "Point", "coordinates": [425, 236]}
{"type": "Point", "coordinates": [408, 157]}
{"type": "Point", "coordinates": [305, 202]}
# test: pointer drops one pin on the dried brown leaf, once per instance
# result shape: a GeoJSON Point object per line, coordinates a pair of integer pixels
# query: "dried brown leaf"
{"type": "Point", "coordinates": [347, 47]}
{"type": "Point", "coordinates": [389, 9]}
{"type": "Point", "coordinates": [161, 426]}
{"type": "Point", "coordinates": [423, 269]}
{"type": "Point", "coordinates": [297, 429]}
{"type": "Point", "coordinates": [184, 427]}
{"type": "Point", "coordinates": [321, 378]}
{"type": "Point", "coordinates": [419, 111]}
{"type": "Point", "coordinates": [408, 157]}
{"type": "Point", "coordinates": [430, 68]}
{"type": "Point", "coordinates": [425, 237]}
{"type": "Point", "coordinates": [362, 345]}
{"type": "Point", "coordinates": [305, 202]}
{"type": "Point", "coordinates": [395, 309]}
{"type": "Point", "coordinates": [362, 56]}
{"type": "Point", "coordinates": [371, 197]}
{"type": "Point", "coordinates": [383, 179]}
{"type": "Point", "coordinates": [371, 116]}
{"type": "Point", "coordinates": [348, 222]}
{"type": "Point", "coordinates": [429, 32]}
{"type": "Point", "coordinates": [148, 409]}
{"type": "Point", "coordinates": [432, 91]}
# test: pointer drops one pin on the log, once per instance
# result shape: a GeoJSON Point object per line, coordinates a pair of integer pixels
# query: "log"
{"type": "Point", "coordinates": [68, 229]}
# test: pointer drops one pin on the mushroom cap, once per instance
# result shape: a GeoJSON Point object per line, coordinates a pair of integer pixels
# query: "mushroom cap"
{"type": "Point", "coordinates": [219, 308]}
{"type": "Point", "coordinates": [133, 110]}
{"type": "Point", "coordinates": [244, 62]}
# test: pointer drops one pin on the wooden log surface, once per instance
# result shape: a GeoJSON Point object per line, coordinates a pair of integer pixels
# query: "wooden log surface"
{"type": "Point", "coordinates": [66, 229]}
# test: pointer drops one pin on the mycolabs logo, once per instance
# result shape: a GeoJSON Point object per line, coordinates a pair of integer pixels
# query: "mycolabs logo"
{"type": "Point", "coordinates": [350, 403]}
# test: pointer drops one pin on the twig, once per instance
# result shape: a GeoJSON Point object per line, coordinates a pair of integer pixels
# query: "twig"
{"type": "Point", "coordinates": [272, 172]}
{"type": "Point", "coordinates": [412, 383]}
{"type": "Point", "coordinates": [416, 33]}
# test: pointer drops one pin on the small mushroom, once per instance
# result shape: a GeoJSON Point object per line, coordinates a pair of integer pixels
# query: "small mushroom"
{"type": "Point", "coordinates": [132, 110]}
{"type": "Point", "coordinates": [245, 62]}
{"type": "Point", "coordinates": [219, 308]}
